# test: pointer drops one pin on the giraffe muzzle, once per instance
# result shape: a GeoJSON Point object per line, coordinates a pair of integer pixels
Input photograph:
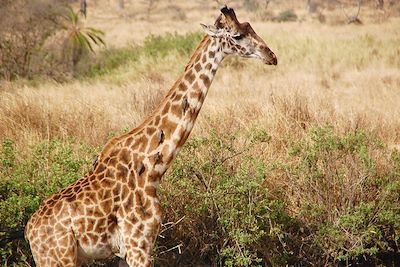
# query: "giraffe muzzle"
{"type": "Point", "coordinates": [270, 58]}
{"type": "Point", "coordinates": [266, 55]}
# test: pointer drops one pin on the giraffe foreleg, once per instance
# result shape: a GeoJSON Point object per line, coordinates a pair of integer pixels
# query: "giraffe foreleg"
{"type": "Point", "coordinates": [138, 258]}
{"type": "Point", "coordinates": [139, 240]}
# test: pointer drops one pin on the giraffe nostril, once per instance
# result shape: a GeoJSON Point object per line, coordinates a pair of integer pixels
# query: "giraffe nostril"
{"type": "Point", "coordinates": [274, 59]}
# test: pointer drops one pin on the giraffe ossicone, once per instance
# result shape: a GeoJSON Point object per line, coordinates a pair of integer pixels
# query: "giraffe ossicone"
{"type": "Point", "coordinates": [114, 209]}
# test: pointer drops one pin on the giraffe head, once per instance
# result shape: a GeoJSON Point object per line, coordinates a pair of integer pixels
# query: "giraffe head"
{"type": "Point", "coordinates": [239, 38]}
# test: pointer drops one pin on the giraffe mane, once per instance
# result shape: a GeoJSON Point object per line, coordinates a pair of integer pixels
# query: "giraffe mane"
{"type": "Point", "coordinates": [219, 24]}
{"type": "Point", "coordinates": [196, 52]}
{"type": "Point", "coordinates": [111, 144]}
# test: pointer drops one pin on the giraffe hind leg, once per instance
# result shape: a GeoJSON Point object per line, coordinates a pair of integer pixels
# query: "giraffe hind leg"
{"type": "Point", "coordinates": [64, 255]}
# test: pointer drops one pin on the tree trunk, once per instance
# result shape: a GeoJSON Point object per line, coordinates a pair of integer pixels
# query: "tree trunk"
{"type": "Point", "coordinates": [312, 6]}
{"type": "Point", "coordinates": [83, 7]}
{"type": "Point", "coordinates": [121, 4]}
{"type": "Point", "coordinates": [380, 4]}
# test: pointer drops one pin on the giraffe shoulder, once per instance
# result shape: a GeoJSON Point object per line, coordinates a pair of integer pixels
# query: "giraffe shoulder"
{"type": "Point", "coordinates": [108, 148]}
{"type": "Point", "coordinates": [112, 145]}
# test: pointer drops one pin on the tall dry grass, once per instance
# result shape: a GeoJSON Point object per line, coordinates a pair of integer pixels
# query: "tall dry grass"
{"type": "Point", "coordinates": [344, 76]}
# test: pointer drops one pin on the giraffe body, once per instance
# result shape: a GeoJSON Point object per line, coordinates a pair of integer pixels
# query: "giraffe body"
{"type": "Point", "coordinates": [114, 210]}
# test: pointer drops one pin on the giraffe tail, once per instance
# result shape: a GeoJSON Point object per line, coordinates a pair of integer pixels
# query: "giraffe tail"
{"type": "Point", "coordinates": [10, 235]}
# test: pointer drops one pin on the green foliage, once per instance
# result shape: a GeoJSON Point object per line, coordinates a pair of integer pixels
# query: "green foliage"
{"type": "Point", "coordinates": [220, 183]}
{"type": "Point", "coordinates": [154, 47]}
{"type": "Point", "coordinates": [287, 15]}
{"type": "Point", "coordinates": [109, 60]}
{"type": "Point", "coordinates": [345, 187]}
{"type": "Point", "coordinates": [364, 231]}
{"type": "Point", "coordinates": [161, 46]}
{"type": "Point", "coordinates": [79, 39]}
{"type": "Point", "coordinates": [8, 154]}
{"type": "Point", "coordinates": [348, 193]}
{"type": "Point", "coordinates": [26, 179]}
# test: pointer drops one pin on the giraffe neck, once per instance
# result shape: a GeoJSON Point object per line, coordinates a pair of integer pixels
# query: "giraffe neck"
{"type": "Point", "coordinates": [159, 138]}
{"type": "Point", "coordinates": [179, 110]}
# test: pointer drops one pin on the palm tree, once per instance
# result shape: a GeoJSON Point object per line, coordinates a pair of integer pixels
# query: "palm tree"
{"type": "Point", "coordinates": [79, 38]}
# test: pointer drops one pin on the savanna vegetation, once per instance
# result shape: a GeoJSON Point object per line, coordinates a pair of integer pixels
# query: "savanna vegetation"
{"type": "Point", "coordinates": [293, 165]}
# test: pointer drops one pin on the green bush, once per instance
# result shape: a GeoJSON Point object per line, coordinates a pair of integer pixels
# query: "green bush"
{"type": "Point", "coordinates": [287, 15]}
{"type": "Point", "coordinates": [349, 190]}
{"type": "Point", "coordinates": [154, 46]}
{"type": "Point", "coordinates": [108, 60]}
{"type": "Point", "coordinates": [29, 177]}
{"type": "Point", "coordinates": [346, 210]}
{"type": "Point", "coordinates": [216, 186]}
{"type": "Point", "coordinates": [335, 198]}
{"type": "Point", "coordinates": [161, 46]}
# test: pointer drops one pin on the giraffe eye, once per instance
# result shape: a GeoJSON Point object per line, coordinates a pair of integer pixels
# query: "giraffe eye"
{"type": "Point", "coordinates": [238, 37]}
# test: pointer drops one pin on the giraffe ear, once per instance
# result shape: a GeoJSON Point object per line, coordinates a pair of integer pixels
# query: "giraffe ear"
{"type": "Point", "coordinates": [211, 30]}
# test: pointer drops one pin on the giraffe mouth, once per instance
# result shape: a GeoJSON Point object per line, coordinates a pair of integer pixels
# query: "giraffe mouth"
{"type": "Point", "coordinates": [269, 58]}
{"type": "Point", "coordinates": [271, 61]}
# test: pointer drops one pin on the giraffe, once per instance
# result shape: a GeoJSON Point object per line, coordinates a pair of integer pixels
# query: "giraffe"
{"type": "Point", "coordinates": [114, 209]}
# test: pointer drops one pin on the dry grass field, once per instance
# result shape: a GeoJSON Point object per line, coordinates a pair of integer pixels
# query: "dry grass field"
{"type": "Point", "coordinates": [335, 84]}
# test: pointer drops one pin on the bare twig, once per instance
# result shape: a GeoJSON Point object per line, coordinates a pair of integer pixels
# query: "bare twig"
{"type": "Point", "coordinates": [352, 19]}
{"type": "Point", "coordinates": [170, 225]}
{"type": "Point", "coordinates": [170, 249]}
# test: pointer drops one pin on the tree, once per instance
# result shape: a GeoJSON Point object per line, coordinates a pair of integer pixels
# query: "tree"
{"type": "Point", "coordinates": [312, 6]}
{"type": "Point", "coordinates": [151, 4]}
{"type": "Point", "coordinates": [380, 4]}
{"type": "Point", "coordinates": [121, 4]}
{"type": "Point", "coordinates": [79, 38]}
{"type": "Point", "coordinates": [353, 19]}
{"type": "Point", "coordinates": [25, 25]}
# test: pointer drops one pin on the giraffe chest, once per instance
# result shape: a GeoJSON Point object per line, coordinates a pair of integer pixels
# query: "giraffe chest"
{"type": "Point", "coordinates": [94, 251]}
{"type": "Point", "coordinates": [96, 238]}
